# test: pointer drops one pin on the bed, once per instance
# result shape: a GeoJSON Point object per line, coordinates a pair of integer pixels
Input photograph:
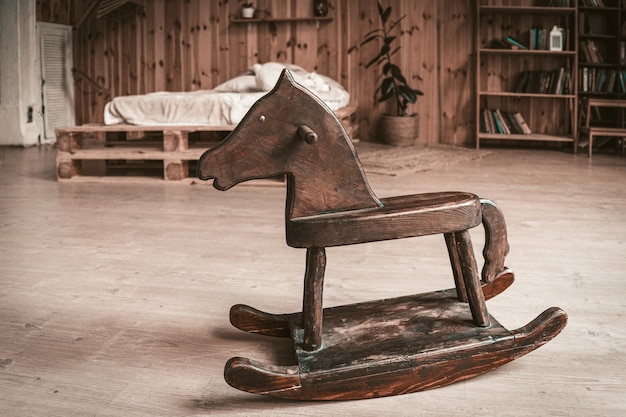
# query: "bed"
{"type": "Point", "coordinates": [226, 104]}
{"type": "Point", "coordinates": [164, 133]}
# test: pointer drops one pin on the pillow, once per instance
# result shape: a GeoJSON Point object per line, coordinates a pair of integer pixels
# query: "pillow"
{"type": "Point", "coordinates": [267, 75]}
{"type": "Point", "coordinates": [240, 84]}
{"type": "Point", "coordinates": [315, 82]}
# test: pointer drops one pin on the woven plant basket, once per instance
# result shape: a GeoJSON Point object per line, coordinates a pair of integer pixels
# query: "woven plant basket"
{"type": "Point", "coordinates": [399, 130]}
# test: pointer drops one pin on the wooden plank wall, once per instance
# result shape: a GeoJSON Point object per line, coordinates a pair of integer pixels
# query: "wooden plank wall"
{"type": "Point", "coordinates": [186, 45]}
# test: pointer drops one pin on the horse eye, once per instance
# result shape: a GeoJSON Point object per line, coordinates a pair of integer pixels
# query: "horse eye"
{"type": "Point", "coordinates": [261, 118]}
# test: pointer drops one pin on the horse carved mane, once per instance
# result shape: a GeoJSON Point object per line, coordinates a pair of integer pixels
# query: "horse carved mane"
{"type": "Point", "coordinates": [323, 175]}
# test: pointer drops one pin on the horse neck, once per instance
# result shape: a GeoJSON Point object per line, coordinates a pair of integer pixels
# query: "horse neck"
{"type": "Point", "coordinates": [334, 182]}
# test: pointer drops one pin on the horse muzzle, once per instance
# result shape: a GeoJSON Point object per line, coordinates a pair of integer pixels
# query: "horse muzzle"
{"type": "Point", "coordinates": [209, 168]}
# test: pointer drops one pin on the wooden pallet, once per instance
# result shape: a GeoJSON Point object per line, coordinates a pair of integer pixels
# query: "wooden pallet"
{"type": "Point", "coordinates": [114, 152]}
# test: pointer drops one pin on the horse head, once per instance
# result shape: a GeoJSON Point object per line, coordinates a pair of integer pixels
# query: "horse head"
{"type": "Point", "coordinates": [291, 131]}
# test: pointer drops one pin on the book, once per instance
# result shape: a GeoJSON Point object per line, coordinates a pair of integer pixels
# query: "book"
{"type": "Point", "coordinates": [482, 125]}
{"type": "Point", "coordinates": [541, 38]}
{"type": "Point", "coordinates": [522, 80]}
{"type": "Point", "coordinates": [512, 124]}
{"type": "Point", "coordinates": [532, 38]}
{"type": "Point", "coordinates": [499, 128]}
{"type": "Point", "coordinates": [567, 82]}
{"type": "Point", "coordinates": [560, 80]}
{"type": "Point", "coordinates": [596, 54]}
{"type": "Point", "coordinates": [522, 123]}
{"type": "Point", "coordinates": [514, 42]}
{"type": "Point", "coordinates": [600, 80]}
{"type": "Point", "coordinates": [505, 127]}
{"type": "Point", "coordinates": [610, 84]}
{"type": "Point", "coordinates": [488, 121]}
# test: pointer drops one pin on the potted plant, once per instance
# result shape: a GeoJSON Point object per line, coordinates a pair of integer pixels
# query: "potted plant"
{"type": "Point", "coordinates": [247, 10]}
{"type": "Point", "coordinates": [399, 127]}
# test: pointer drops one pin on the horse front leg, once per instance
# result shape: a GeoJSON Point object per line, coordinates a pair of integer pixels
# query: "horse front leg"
{"type": "Point", "coordinates": [312, 311]}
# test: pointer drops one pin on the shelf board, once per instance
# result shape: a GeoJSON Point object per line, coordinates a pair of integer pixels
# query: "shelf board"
{"type": "Point", "coordinates": [600, 64]}
{"type": "Point", "coordinates": [609, 95]}
{"type": "Point", "coordinates": [283, 19]}
{"type": "Point", "coordinates": [494, 51]}
{"type": "Point", "coordinates": [599, 9]}
{"type": "Point", "coordinates": [526, 9]}
{"type": "Point", "coordinates": [598, 36]}
{"type": "Point", "coordinates": [534, 136]}
{"type": "Point", "coordinates": [530, 95]}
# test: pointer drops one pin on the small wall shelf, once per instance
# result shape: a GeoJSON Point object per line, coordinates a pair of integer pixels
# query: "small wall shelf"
{"type": "Point", "coordinates": [239, 20]}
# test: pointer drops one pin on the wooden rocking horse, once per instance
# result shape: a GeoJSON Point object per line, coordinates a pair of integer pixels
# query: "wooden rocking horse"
{"type": "Point", "coordinates": [378, 348]}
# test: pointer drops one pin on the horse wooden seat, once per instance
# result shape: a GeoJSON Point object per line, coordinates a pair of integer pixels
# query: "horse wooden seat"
{"type": "Point", "coordinates": [399, 217]}
{"type": "Point", "coordinates": [383, 347]}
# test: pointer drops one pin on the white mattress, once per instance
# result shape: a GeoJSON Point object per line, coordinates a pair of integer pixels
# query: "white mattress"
{"type": "Point", "coordinates": [226, 104]}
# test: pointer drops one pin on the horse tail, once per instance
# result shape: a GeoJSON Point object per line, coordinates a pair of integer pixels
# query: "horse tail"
{"type": "Point", "coordinates": [496, 243]}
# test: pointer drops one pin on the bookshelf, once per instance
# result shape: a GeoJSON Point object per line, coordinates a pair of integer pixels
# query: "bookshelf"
{"type": "Point", "coordinates": [524, 90]}
{"type": "Point", "coordinates": [602, 64]}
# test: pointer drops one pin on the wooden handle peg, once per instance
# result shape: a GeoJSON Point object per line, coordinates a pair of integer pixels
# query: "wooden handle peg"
{"type": "Point", "coordinates": [307, 134]}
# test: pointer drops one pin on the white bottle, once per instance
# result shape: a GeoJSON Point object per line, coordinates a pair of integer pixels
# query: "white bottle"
{"type": "Point", "coordinates": [556, 39]}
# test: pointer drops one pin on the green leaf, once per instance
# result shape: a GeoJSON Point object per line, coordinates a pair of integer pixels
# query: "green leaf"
{"type": "Point", "coordinates": [384, 14]}
{"type": "Point", "coordinates": [373, 61]}
{"type": "Point", "coordinates": [396, 23]}
{"type": "Point", "coordinates": [387, 86]}
{"type": "Point", "coordinates": [397, 74]}
{"type": "Point", "coordinates": [407, 93]}
{"type": "Point", "coordinates": [370, 38]}
{"type": "Point", "coordinates": [373, 31]}
{"type": "Point", "coordinates": [389, 39]}
{"type": "Point", "coordinates": [387, 67]}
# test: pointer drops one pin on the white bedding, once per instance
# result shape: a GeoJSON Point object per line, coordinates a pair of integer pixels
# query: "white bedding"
{"type": "Point", "coordinates": [226, 104]}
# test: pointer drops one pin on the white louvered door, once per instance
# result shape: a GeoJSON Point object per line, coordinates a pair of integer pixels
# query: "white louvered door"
{"type": "Point", "coordinates": [57, 86]}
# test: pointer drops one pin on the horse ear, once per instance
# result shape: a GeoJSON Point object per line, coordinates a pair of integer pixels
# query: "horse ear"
{"type": "Point", "coordinates": [286, 78]}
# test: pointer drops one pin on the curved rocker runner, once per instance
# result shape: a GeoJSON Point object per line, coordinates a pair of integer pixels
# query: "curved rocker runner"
{"type": "Point", "coordinates": [382, 347]}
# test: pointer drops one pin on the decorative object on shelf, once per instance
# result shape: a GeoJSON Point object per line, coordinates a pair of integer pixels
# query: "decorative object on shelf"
{"type": "Point", "coordinates": [320, 8]}
{"type": "Point", "coordinates": [556, 39]}
{"type": "Point", "coordinates": [393, 84]}
{"type": "Point", "coordinates": [377, 348]}
{"type": "Point", "coordinates": [247, 10]}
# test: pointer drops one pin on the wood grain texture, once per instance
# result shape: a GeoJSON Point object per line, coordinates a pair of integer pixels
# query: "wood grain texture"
{"type": "Point", "coordinates": [186, 45]}
{"type": "Point", "coordinates": [329, 203]}
{"type": "Point", "coordinates": [114, 298]}
{"type": "Point", "coordinates": [391, 347]}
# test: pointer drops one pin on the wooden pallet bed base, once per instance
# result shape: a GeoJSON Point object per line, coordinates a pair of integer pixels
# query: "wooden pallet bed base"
{"type": "Point", "coordinates": [96, 152]}
{"type": "Point", "coordinates": [89, 143]}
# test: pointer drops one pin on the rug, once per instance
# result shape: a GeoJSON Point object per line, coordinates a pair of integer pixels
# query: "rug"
{"type": "Point", "coordinates": [405, 160]}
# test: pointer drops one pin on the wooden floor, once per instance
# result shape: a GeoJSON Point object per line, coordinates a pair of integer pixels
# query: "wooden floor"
{"type": "Point", "coordinates": [114, 299]}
